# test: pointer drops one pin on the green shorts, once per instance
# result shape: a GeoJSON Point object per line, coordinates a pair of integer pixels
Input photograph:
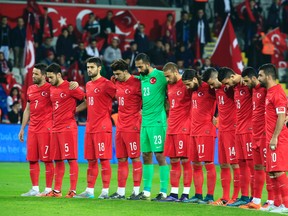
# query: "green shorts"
{"type": "Point", "coordinates": [152, 139]}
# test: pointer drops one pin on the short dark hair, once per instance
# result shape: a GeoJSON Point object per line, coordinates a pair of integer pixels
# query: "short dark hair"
{"type": "Point", "coordinates": [42, 67]}
{"type": "Point", "coordinates": [119, 64]}
{"type": "Point", "coordinates": [54, 68]}
{"type": "Point", "coordinates": [144, 57]}
{"type": "Point", "coordinates": [94, 60]}
{"type": "Point", "coordinates": [189, 74]}
{"type": "Point", "coordinates": [170, 66]}
{"type": "Point", "coordinates": [207, 73]}
{"type": "Point", "coordinates": [249, 71]}
{"type": "Point", "coordinates": [269, 69]}
{"type": "Point", "coordinates": [225, 72]}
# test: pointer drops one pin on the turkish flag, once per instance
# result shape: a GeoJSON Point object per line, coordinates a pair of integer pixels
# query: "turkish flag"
{"type": "Point", "coordinates": [227, 52]}
{"type": "Point", "coordinates": [279, 41]}
{"type": "Point", "coordinates": [125, 21]}
{"type": "Point", "coordinates": [29, 59]}
{"type": "Point", "coordinates": [74, 74]}
{"type": "Point", "coordinates": [240, 8]}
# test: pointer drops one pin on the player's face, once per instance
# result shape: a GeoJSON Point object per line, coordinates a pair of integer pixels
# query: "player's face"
{"type": "Point", "coordinates": [142, 67]}
{"type": "Point", "coordinates": [37, 76]}
{"type": "Point", "coordinates": [191, 84]}
{"type": "Point", "coordinates": [262, 78]}
{"type": "Point", "coordinates": [53, 78]}
{"type": "Point", "coordinates": [248, 82]}
{"type": "Point", "coordinates": [120, 75]}
{"type": "Point", "coordinates": [213, 81]}
{"type": "Point", "coordinates": [229, 82]}
{"type": "Point", "coordinates": [170, 76]}
{"type": "Point", "coordinates": [93, 70]}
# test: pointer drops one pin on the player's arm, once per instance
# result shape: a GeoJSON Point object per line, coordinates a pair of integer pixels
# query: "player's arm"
{"type": "Point", "coordinates": [73, 85]}
{"type": "Point", "coordinates": [278, 128]}
{"type": "Point", "coordinates": [81, 106]}
{"type": "Point", "coordinates": [26, 116]}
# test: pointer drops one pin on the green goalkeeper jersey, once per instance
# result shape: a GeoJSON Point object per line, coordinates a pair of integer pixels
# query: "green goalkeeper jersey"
{"type": "Point", "coordinates": [153, 87]}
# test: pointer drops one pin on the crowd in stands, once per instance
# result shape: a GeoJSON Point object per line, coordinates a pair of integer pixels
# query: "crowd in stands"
{"type": "Point", "coordinates": [177, 44]}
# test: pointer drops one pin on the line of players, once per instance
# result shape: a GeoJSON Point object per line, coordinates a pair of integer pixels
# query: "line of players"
{"type": "Point", "coordinates": [190, 134]}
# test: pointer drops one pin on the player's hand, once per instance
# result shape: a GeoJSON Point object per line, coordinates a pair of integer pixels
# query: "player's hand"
{"type": "Point", "coordinates": [113, 79]}
{"type": "Point", "coordinates": [214, 121]}
{"type": "Point", "coordinates": [273, 143]}
{"type": "Point", "coordinates": [73, 85]}
{"type": "Point", "coordinates": [21, 135]}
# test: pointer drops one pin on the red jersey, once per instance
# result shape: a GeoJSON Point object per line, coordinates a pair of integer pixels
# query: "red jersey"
{"type": "Point", "coordinates": [226, 108]}
{"type": "Point", "coordinates": [258, 113]}
{"type": "Point", "coordinates": [40, 107]}
{"type": "Point", "coordinates": [203, 108]}
{"type": "Point", "coordinates": [179, 113]}
{"type": "Point", "coordinates": [276, 103]}
{"type": "Point", "coordinates": [129, 99]}
{"type": "Point", "coordinates": [64, 106]}
{"type": "Point", "coordinates": [243, 101]}
{"type": "Point", "coordinates": [99, 96]}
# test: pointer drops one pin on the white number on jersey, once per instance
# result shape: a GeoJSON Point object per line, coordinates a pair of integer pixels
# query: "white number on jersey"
{"type": "Point", "coordinates": [221, 100]}
{"type": "Point", "coordinates": [274, 157]}
{"type": "Point", "coordinates": [56, 105]}
{"type": "Point", "coordinates": [36, 103]}
{"type": "Point", "coordinates": [146, 91]}
{"type": "Point", "coordinates": [201, 149]}
{"type": "Point", "coordinates": [232, 151]}
{"type": "Point", "coordinates": [194, 104]}
{"type": "Point", "coordinates": [180, 144]}
{"type": "Point", "coordinates": [238, 104]}
{"type": "Point", "coordinates": [133, 146]}
{"type": "Point", "coordinates": [101, 146]}
{"type": "Point", "coordinates": [173, 103]}
{"type": "Point", "coordinates": [157, 139]}
{"type": "Point", "coordinates": [121, 101]}
{"type": "Point", "coordinates": [90, 101]}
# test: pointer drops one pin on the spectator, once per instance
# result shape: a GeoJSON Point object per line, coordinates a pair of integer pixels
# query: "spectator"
{"type": "Point", "coordinates": [201, 30]}
{"type": "Point", "coordinates": [206, 65]}
{"type": "Point", "coordinates": [130, 54]}
{"type": "Point", "coordinates": [141, 39]}
{"type": "Point", "coordinates": [42, 50]}
{"type": "Point", "coordinates": [273, 18]}
{"type": "Point", "coordinates": [107, 25]}
{"type": "Point", "coordinates": [5, 35]}
{"type": "Point", "coordinates": [13, 96]}
{"type": "Point", "coordinates": [18, 36]}
{"type": "Point", "coordinates": [80, 55]}
{"type": "Point", "coordinates": [72, 34]}
{"type": "Point", "coordinates": [284, 24]}
{"type": "Point", "coordinates": [92, 49]}
{"type": "Point", "coordinates": [92, 26]}
{"type": "Point", "coordinates": [183, 30]}
{"type": "Point", "coordinates": [168, 30]}
{"type": "Point", "coordinates": [15, 114]}
{"type": "Point", "coordinates": [157, 54]}
{"type": "Point", "coordinates": [46, 27]}
{"type": "Point", "coordinates": [221, 9]}
{"type": "Point", "coordinates": [184, 54]}
{"type": "Point", "coordinates": [50, 57]}
{"type": "Point", "coordinates": [61, 60]}
{"type": "Point", "coordinates": [169, 54]}
{"type": "Point", "coordinates": [5, 65]}
{"type": "Point", "coordinates": [64, 45]}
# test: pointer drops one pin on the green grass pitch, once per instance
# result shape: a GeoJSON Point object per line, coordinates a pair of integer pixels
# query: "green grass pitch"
{"type": "Point", "coordinates": [14, 180]}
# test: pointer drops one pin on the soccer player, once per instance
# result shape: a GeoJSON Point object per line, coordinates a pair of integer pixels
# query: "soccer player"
{"type": "Point", "coordinates": [64, 129]}
{"type": "Point", "coordinates": [249, 76]}
{"type": "Point", "coordinates": [153, 126]}
{"type": "Point", "coordinates": [39, 110]}
{"type": "Point", "coordinates": [177, 137]}
{"type": "Point", "coordinates": [226, 136]}
{"type": "Point", "coordinates": [98, 135]}
{"type": "Point", "coordinates": [243, 138]}
{"type": "Point", "coordinates": [276, 136]}
{"type": "Point", "coordinates": [203, 134]}
{"type": "Point", "coordinates": [128, 94]}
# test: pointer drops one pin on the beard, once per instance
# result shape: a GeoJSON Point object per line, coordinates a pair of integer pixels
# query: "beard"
{"type": "Point", "coordinates": [93, 75]}
{"type": "Point", "coordinates": [36, 81]}
{"type": "Point", "coordinates": [145, 72]}
{"type": "Point", "coordinates": [262, 84]}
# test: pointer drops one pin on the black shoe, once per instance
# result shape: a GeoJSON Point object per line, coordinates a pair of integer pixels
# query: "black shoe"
{"type": "Point", "coordinates": [159, 197]}
{"type": "Point", "coordinates": [116, 196]}
{"type": "Point", "coordinates": [140, 196]}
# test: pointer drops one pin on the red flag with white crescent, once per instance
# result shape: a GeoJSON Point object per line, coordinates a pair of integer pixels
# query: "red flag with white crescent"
{"type": "Point", "coordinates": [227, 52]}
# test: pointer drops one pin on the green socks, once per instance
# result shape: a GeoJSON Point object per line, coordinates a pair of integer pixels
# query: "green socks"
{"type": "Point", "coordinates": [148, 172]}
{"type": "Point", "coordinates": [164, 176]}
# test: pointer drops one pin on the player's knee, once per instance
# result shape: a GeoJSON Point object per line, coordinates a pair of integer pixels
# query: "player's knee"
{"type": "Point", "coordinates": [135, 159]}
{"type": "Point", "coordinates": [225, 165]}
{"type": "Point", "coordinates": [174, 160]}
{"type": "Point", "coordinates": [161, 159]}
{"type": "Point", "coordinates": [122, 159]}
{"type": "Point", "coordinates": [235, 166]}
{"type": "Point", "coordinates": [258, 167]}
{"type": "Point", "coordinates": [147, 157]}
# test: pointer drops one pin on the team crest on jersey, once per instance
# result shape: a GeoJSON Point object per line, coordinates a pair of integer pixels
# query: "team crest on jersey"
{"type": "Point", "coordinates": [96, 90]}
{"type": "Point", "coordinates": [225, 89]}
{"type": "Point", "coordinates": [62, 95]}
{"type": "Point", "coordinates": [178, 92]}
{"type": "Point", "coordinates": [258, 95]}
{"type": "Point", "coordinates": [153, 80]}
{"type": "Point", "coordinates": [242, 92]}
{"type": "Point", "coordinates": [200, 94]}
{"type": "Point", "coordinates": [127, 91]}
{"type": "Point", "coordinates": [44, 93]}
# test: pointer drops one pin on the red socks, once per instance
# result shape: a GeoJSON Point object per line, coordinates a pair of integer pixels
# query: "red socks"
{"type": "Point", "coordinates": [225, 182]}
{"type": "Point", "coordinates": [236, 181]}
{"type": "Point", "coordinates": [252, 180]}
{"type": "Point", "coordinates": [137, 173]}
{"type": "Point", "coordinates": [175, 174]}
{"type": "Point", "coordinates": [92, 173]}
{"type": "Point", "coordinates": [187, 173]}
{"type": "Point", "coordinates": [59, 173]}
{"type": "Point", "coordinates": [105, 172]}
{"type": "Point", "coordinates": [73, 174]}
{"type": "Point", "coordinates": [211, 178]}
{"type": "Point", "coordinates": [244, 178]}
{"type": "Point", "coordinates": [269, 187]}
{"type": "Point", "coordinates": [34, 172]}
{"type": "Point", "coordinates": [49, 173]}
{"type": "Point", "coordinates": [123, 171]}
{"type": "Point", "coordinates": [283, 187]}
{"type": "Point", "coordinates": [259, 180]}
{"type": "Point", "coordinates": [198, 178]}
{"type": "Point", "coordinates": [277, 192]}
